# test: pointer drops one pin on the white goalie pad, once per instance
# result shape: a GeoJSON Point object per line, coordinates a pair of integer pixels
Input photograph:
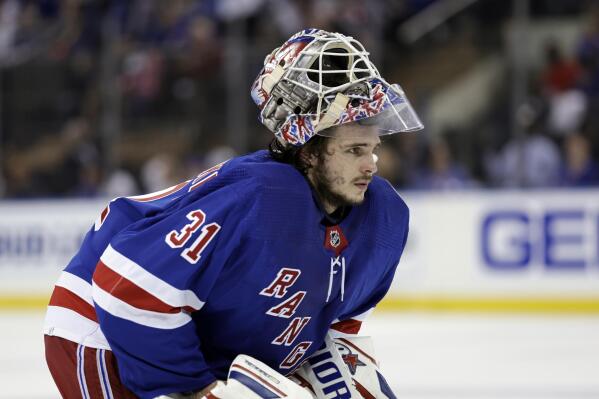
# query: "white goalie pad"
{"type": "Point", "coordinates": [251, 379]}
{"type": "Point", "coordinates": [344, 368]}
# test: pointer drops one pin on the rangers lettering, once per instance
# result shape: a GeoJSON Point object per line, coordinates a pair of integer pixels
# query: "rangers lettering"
{"type": "Point", "coordinates": [287, 308]}
{"type": "Point", "coordinates": [285, 279]}
{"type": "Point", "coordinates": [295, 355]}
{"type": "Point", "coordinates": [292, 331]}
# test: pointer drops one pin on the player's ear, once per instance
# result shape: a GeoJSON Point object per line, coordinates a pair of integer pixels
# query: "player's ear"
{"type": "Point", "coordinates": [308, 158]}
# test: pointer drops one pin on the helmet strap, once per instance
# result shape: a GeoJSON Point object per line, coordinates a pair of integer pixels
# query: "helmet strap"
{"type": "Point", "coordinates": [333, 113]}
{"type": "Point", "coordinates": [272, 79]}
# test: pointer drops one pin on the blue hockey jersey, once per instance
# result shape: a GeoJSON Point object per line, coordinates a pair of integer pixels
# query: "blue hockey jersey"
{"type": "Point", "coordinates": [238, 260]}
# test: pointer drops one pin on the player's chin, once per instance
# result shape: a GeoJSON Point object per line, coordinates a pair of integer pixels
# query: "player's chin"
{"type": "Point", "coordinates": [356, 198]}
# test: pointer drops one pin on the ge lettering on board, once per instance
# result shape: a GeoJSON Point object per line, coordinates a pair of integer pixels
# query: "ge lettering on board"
{"type": "Point", "coordinates": [564, 239]}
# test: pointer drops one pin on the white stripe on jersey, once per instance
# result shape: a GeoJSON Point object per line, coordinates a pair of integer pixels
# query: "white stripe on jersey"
{"type": "Point", "coordinates": [339, 334]}
{"type": "Point", "coordinates": [68, 324]}
{"type": "Point", "coordinates": [99, 368]}
{"type": "Point", "coordinates": [81, 371]}
{"type": "Point", "coordinates": [160, 194]}
{"type": "Point", "coordinates": [77, 285]}
{"type": "Point", "coordinates": [150, 283]}
{"type": "Point", "coordinates": [103, 374]}
{"type": "Point", "coordinates": [147, 318]}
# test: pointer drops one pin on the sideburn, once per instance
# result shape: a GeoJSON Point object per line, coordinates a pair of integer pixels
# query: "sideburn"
{"type": "Point", "coordinates": [322, 185]}
{"type": "Point", "coordinates": [319, 177]}
{"type": "Point", "coordinates": [312, 154]}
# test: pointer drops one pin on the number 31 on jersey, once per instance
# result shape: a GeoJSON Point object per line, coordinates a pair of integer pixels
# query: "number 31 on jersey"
{"type": "Point", "coordinates": [180, 239]}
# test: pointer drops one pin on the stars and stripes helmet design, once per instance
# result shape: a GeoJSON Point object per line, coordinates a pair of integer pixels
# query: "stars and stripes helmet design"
{"type": "Point", "coordinates": [317, 80]}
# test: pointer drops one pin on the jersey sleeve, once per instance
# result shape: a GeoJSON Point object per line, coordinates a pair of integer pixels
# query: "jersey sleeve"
{"type": "Point", "coordinates": [153, 276]}
{"type": "Point", "coordinates": [116, 216]}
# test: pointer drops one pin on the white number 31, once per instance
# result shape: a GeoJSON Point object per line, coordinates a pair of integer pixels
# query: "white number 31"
{"type": "Point", "coordinates": [179, 239]}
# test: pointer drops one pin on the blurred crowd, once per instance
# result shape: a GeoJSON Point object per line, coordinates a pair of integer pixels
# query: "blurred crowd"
{"type": "Point", "coordinates": [117, 97]}
{"type": "Point", "coordinates": [559, 141]}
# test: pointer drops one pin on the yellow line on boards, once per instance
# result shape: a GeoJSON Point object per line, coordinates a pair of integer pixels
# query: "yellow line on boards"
{"type": "Point", "coordinates": [32, 302]}
{"type": "Point", "coordinates": [490, 305]}
{"type": "Point", "coordinates": [397, 303]}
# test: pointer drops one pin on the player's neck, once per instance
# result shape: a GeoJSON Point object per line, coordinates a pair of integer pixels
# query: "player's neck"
{"type": "Point", "coordinates": [327, 205]}
{"type": "Point", "coordinates": [329, 208]}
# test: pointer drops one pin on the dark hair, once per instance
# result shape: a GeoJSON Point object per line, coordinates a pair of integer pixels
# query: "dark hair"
{"type": "Point", "coordinates": [297, 156]}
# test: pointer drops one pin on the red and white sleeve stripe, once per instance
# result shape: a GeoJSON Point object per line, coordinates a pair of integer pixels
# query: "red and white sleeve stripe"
{"type": "Point", "coordinates": [126, 290]}
{"type": "Point", "coordinates": [75, 293]}
{"type": "Point", "coordinates": [159, 194]}
{"type": "Point", "coordinates": [349, 327]}
{"type": "Point", "coordinates": [71, 312]}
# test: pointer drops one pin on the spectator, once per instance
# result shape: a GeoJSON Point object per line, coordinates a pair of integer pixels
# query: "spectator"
{"type": "Point", "coordinates": [567, 104]}
{"type": "Point", "coordinates": [9, 18]}
{"type": "Point", "coordinates": [120, 183]}
{"type": "Point", "coordinates": [560, 73]}
{"type": "Point", "coordinates": [588, 53]}
{"type": "Point", "coordinates": [579, 169]}
{"type": "Point", "coordinates": [63, 163]}
{"type": "Point", "coordinates": [531, 161]}
{"type": "Point", "coordinates": [161, 171]}
{"type": "Point", "coordinates": [442, 171]}
{"type": "Point", "coordinates": [78, 173]}
{"type": "Point", "coordinates": [141, 79]}
{"type": "Point", "coordinates": [218, 154]}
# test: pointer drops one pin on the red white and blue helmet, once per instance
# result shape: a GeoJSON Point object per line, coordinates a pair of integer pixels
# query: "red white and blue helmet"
{"type": "Point", "coordinates": [317, 80]}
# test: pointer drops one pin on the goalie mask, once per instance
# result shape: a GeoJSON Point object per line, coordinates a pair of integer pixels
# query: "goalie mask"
{"type": "Point", "coordinates": [317, 80]}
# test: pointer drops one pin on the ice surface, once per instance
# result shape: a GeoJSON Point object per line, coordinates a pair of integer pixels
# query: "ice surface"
{"type": "Point", "coordinates": [424, 356]}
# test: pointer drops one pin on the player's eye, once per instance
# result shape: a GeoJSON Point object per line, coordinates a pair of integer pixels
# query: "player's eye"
{"type": "Point", "coordinates": [355, 150]}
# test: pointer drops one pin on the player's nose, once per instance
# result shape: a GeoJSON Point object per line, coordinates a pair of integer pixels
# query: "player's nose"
{"type": "Point", "coordinates": [369, 166]}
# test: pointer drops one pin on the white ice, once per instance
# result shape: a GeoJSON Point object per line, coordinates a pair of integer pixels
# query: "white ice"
{"type": "Point", "coordinates": [424, 356]}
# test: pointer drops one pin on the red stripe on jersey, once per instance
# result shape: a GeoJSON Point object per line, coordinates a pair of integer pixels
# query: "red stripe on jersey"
{"type": "Point", "coordinates": [104, 213]}
{"type": "Point", "coordinates": [127, 291]}
{"type": "Point", "coordinates": [203, 180]}
{"type": "Point", "coordinates": [350, 326]}
{"type": "Point", "coordinates": [67, 299]}
{"type": "Point", "coordinates": [150, 197]}
{"type": "Point", "coordinates": [90, 370]}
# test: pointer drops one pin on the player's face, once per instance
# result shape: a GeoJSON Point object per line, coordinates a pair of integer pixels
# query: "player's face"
{"type": "Point", "coordinates": [342, 174]}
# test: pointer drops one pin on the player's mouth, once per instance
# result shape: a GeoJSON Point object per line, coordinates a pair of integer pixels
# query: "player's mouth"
{"type": "Point", "coordinates": [362, 184]}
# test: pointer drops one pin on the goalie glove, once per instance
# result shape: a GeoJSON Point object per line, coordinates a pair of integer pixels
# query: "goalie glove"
{"type": "Point", "coordinates": [251, 379]}
{"type": "Point", "coordinates": [344, 368]}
